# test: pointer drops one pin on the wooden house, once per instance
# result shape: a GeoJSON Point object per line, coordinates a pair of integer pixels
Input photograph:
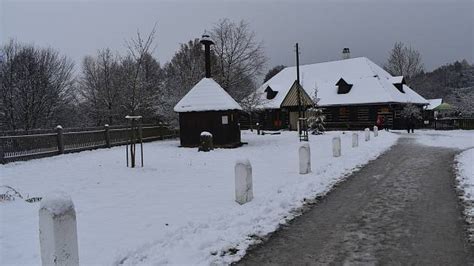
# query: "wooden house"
{"type": "Point", "coordinates": [208, 107]}
{"type": "Point", "coordinates": [352, 93]}
{"type": "Point", "coordinates": [429, 112]}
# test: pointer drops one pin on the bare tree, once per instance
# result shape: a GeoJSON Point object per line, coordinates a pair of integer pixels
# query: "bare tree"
{"type": "Point", "coordinates": [139, 50]}
{"type": "Point", "coordinates": [113, 86]}
{"type": "Point", "coordinates": [404, 61]}
{"type": "Point", "coordinates": [252, 104]}
{"type": "Point", "coordinates": [184, 70]}
{"type": "Point", "coordinates": [99, 86]}
{"type": "Point", "coordinates": [37, 86]}
{"type": "Point", "coordinates": [240, 57]}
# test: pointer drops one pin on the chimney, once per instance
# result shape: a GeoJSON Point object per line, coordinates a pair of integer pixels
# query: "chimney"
{"type": "Point", "coordinates": [346, 54]}
{"type": "Point", "coordinates": [207, 42]}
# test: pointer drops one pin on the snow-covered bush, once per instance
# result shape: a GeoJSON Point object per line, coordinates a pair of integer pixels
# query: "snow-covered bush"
{"type": "Point", "coordinates": [316, 121]}
{"type": "Point", "coordinates": [411, 110]}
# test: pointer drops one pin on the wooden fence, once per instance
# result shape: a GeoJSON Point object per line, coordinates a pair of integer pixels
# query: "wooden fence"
{"type": "Point", "coordinates": [453, 123]}
{"type": "Point", "coordinates": [61, 141]}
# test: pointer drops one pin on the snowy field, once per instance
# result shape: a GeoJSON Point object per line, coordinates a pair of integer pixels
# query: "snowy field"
{"type": "Point", "coordinates": [180, 208]}
{"type": "Point", "coordinates": [463, 140]}
{"type": "Point", "coordinates": [458, 139]}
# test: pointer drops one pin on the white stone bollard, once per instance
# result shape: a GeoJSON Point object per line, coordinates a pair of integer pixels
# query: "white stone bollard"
{"type": "Point", "coordinates": [367, 134]}
{"type": "Point", "coordinates": [336, 146]}
{"type": "Point", "coordinates": [243, 182]}
{"type": "Point", "coordinates": [305, 158]}
{"type": "Point", "coordinates": [58, 230]}
{"type": "Point", "coordinates": [355, 140]}
{"type": "Point", "coordinates": [376, 131]}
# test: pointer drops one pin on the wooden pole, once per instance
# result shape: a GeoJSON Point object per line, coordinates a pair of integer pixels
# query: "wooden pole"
{"type": "Point", "coordinates": [60, 139]}
{"type": "Point", "coordinates": [2, 152]}
{"type": "Point", "coordinates": [140, 136]}
{"type": "Point", "coordinates": [298, 80]}
{"type": "Point", "coordinates": [132, 144]}
{"type": "Point", "coordinates": [107, 135]}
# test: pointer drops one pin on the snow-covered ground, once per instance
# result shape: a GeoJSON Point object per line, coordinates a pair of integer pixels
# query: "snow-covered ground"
{"type": "Point", "coordinates": [459, 139]}
{"type": "Point", "coordinates": [465, 180]}
{"type": "Point", "coordinates": [179, 208]}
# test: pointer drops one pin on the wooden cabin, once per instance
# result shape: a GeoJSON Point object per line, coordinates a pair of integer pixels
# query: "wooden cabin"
{"type": "Point", "coordinates": [352, 93]}
{"type": "Point", "coordinates": [208, 107]}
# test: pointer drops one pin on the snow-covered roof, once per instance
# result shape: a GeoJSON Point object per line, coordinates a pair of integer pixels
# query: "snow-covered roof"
{"type": "Point", "coordinates": [206, 95]}
{"type": "Point", "coordinates": [433, 103]}
{"type": "Point", "coordinates": [371, 84]}
{"type": "Point", "coordinates": [396, 80]}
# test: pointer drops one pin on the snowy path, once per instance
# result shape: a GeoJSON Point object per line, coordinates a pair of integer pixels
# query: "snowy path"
{"type": "Point", "coordinates": [399, 209]}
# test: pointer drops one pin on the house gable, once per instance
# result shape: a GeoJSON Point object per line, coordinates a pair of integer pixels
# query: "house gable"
{"type": "Point", "coordinates": [291, 98]}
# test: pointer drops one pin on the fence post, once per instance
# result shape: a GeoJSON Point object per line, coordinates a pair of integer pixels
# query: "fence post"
{"type": "Point", "coordinates": [107, 136]}
{"type": "Point", "coordinates": [161, 131]}
{"type": "Point", "coordinates": [243, 182]}
{"type": "Point", "coordinates": [58, 230]}
{"type": "Point", "coordinates": [336, 146]}
{"type": "Point", "coordinates": [376, 131]}
{"type": "Point", "coordinates": [305, 158]}
{"type": "Point", "coordinates": [355, 140]}
{"type": "Point", "coordinates": [2, 152]}
{"type": "Point", "coordinates": [59, 130]}
{"type": "Point", "coordinates": [367, 134]}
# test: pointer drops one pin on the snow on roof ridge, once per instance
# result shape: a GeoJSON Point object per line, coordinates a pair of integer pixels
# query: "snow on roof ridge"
{"type": "Point", "coordinates": [325, 62]}
{"type": "Point", "coordinates": [206, 95]}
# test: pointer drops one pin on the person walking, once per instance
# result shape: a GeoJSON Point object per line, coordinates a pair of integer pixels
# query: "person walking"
{"type": "Point", "coordinates": [407, 123]}
{"type": "Point", "coordinates": [412, 123]}
{"type": "Point", "coordinates": [380, 122]}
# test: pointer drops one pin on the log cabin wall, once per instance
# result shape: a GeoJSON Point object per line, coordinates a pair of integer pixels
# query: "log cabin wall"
{"type": "Point", "coordinates": [357, 117]}
{"type": "Point", "coordinates": [354, 117]}
{"type": "Point", "coordinates": [273, 119]}
{"type": "Point", "coordinates": [223, 125]}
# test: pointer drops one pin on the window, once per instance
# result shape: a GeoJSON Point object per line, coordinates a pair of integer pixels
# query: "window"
{"type": "Point", "coordinates": [270, 93]}
{"type": "Point", "coordinates": [398, 82]}
{"type": "Point", "coordinates": [225, 119]}
{"type": "Point", "coordinates": [343, 114]}
{"type": "Point", "coordinates": [384, 110]}
{"type": "Point", "coordinates": [343, 111]}
{"type": "Point", "coordinates": [343, 87]}
{"type": "Point", "coordinates": [399, 87]}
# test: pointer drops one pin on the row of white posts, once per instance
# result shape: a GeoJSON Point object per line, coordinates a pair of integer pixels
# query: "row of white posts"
{"type": "Point", "coordinates": [57, 217]}
{"type": "Point", "coordinates": [243, 169]}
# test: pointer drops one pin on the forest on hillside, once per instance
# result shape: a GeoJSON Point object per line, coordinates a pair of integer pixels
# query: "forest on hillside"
{"type": "Point", "coordinates": [454, 83]}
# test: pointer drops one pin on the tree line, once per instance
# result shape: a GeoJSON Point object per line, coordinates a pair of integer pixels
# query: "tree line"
{"type": "Point", "coordinates": [40, 88]}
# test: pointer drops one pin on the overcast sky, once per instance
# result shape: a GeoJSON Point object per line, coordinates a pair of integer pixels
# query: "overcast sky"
{"type": "Point", "coordinates": [443, 31]}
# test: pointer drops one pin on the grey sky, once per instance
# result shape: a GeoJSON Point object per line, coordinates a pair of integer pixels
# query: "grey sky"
{"type": "Point", "coordinates": [443, 31]}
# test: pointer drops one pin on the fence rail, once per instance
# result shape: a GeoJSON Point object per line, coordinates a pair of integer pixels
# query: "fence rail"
{"type": "Point", "coordinates": [453, 123]}
{"type": "Point", "coordinates": [26, 147]}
